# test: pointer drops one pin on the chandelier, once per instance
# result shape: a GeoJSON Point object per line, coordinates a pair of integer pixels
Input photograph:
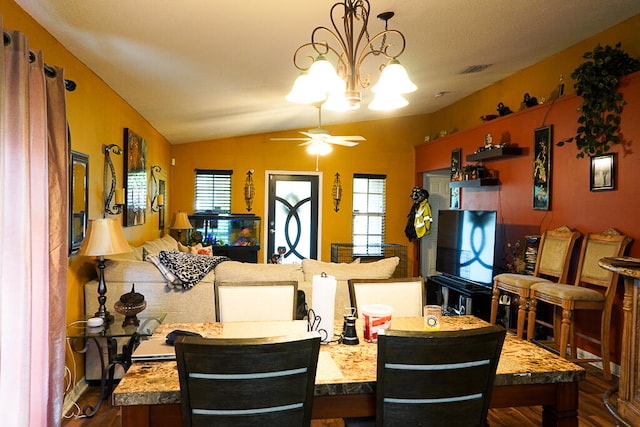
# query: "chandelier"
{"type": "Point", "coordinates": [339, 87]}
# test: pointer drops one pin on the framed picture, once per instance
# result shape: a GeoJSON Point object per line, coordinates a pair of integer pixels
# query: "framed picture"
{"type": "Point", "coordinates": [135, 179]}
{"type": "Point", "coordinates": [455, 163]}
{"type": "Point", "coordinates": [542, 168]}
{"type": "Point", "coordinates": [603, 172]}
{"type": "Point", "coordinates": [454, 196]}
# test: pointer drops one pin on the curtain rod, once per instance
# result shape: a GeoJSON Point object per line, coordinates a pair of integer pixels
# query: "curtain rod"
{"type": "Point", "coordinates": [70, 85]}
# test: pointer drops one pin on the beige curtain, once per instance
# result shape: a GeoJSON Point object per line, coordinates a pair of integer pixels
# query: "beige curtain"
{"type": "Point", "coordinates": [33, 236]}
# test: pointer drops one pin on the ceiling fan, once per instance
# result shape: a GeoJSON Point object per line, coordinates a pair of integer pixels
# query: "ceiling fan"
{"type": "Point", "coordinates": [318, 138]}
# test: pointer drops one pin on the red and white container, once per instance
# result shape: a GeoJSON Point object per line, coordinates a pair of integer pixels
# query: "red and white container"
{"type": "Point", "coordinates": [374, 318]}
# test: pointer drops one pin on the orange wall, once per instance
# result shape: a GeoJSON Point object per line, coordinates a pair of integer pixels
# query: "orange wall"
{"type": "Point", "coordinates": [572, 202]}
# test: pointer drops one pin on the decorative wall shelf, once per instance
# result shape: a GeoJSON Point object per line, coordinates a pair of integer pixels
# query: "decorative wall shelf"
{"type": "Point", "coordinates": [482, 182]}
{"type": "Point", "coordinates": [494, 154]}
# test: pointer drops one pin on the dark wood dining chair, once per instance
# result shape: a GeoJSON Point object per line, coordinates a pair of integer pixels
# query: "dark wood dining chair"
{"type": "Point", "coordinates": [245, 382]}
{"type": "Point", "coordinates": [434, 379]}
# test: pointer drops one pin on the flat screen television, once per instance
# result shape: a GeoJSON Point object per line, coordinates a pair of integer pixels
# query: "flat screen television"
{"type": "Point", "coordinates": [466, 245]}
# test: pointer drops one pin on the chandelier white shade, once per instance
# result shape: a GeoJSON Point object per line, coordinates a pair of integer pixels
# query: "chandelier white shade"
{"type": "Point", "coordinates": [340, 86]}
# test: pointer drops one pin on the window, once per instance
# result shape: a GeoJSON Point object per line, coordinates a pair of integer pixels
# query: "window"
{"type": "Point", "coordinates": [369, 208]}
{"type": "Point", "coordinates": [213, 191]}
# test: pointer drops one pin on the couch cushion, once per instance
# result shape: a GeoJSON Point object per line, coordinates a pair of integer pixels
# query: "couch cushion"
{"type": "Point", "coordinates": [381, 269]}
{"type": "Point", "coordinates": [131, 272]}
{"type": "Point", "coordinates": [166, 243]}
{"type": "Point", "coordinates": [235, 271]}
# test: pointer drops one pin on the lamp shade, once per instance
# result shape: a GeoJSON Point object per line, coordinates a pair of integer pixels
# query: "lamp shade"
{"type": "Point", "coordinates": [180, 222]}
{"type": "Point", "coordinates": [104, 237]}
{"type": "Point", "coordinates": [394, 78]}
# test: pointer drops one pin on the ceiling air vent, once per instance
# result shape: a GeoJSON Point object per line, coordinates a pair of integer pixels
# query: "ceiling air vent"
{"type": "Point", "coordinates": [475, 68]}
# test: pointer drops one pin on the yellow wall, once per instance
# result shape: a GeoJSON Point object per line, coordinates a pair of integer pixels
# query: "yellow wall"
{"type": "Point", "coordinates": [96, 116]}
{"type": "Point", "coordinates": [387, 150]}
{"type": "Point", "coordinates": [539, 80]}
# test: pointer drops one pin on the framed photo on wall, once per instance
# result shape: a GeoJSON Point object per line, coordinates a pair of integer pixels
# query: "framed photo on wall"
{"type": "Point", "coordinates": [603, 172]}
{"type": "Point", "coordinates": [135, 179]}
{"type": "Point", "coordinates": [454, 193]}
{"type": "Point", "coordinates": [542, 168]}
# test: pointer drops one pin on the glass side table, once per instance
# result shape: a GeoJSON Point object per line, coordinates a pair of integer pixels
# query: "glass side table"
{"type": "Point", "coordinates": [106, 338]}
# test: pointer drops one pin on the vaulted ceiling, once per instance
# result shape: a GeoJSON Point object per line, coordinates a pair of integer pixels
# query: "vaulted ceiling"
{"type": "Point", "coordinates": [204, 69]}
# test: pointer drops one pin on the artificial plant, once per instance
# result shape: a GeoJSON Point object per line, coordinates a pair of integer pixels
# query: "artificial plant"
{"type": "Point", "coordinates": [597, 81]}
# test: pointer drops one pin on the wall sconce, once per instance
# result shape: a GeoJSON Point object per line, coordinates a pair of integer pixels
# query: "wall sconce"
{"type": "Point", "coordinates": [336, 192]}
{"type": "Point", "coordinates": [249, 190]}
{"type": "Point", "coordinates": [157, 199]}
{"type": "Point", "coordinates": [118, 203]}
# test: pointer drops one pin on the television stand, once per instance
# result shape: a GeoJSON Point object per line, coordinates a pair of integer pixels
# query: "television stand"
{"type": "Point", "coordinates": [458, 296]}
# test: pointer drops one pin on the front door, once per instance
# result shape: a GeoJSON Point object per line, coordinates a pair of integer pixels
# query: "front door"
{"type": "Point", "coordinates": [293, 216]}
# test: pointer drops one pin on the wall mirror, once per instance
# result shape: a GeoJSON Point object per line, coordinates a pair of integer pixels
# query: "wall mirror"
{"type": "Point", "coordinates": [78, 199]}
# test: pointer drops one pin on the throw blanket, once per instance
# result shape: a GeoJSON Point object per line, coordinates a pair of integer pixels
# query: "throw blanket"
{"type": "Point", "coordinates": [189, 268]}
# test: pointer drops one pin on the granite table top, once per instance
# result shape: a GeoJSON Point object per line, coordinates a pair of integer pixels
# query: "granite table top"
{"type": "Point", "coordinates": [344, 369]}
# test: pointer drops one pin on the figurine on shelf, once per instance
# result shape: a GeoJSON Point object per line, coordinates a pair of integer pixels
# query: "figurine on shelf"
{"type": "Point", "coordinates": [530, 101]}
{"type": "Point", "coordinates": [503, 110]}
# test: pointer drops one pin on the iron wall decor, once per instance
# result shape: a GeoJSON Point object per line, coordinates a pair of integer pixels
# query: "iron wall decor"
{"type": "Point", "coordinates": [162, 192]}
{"type": "Point", "coordinates": [542, 168]}
{"type": "Point", "coordinates": [603, 172]}
{"type": "Point", "coordinates": [135, 155]}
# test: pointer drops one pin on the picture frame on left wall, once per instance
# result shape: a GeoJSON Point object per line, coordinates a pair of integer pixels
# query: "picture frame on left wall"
{"type": "Point", "coordinates": [135, 179]}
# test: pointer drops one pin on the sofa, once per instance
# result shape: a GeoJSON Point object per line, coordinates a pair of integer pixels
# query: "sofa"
{"type": "Point", "coordinates": [197, 303]}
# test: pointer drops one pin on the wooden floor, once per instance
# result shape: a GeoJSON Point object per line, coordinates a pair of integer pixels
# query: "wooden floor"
{"type": "Point", "coordinates": [592, 411]}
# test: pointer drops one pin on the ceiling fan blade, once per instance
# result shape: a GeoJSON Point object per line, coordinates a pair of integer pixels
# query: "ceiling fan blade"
{"type": "Point", "coordinates": [288, 139]}
{"type": "Point", "coordinates": [307, 142]}
{"type": "Point", "coordinates": [343, 143]}
{"type": "Point", "coordinates": [351, 137]}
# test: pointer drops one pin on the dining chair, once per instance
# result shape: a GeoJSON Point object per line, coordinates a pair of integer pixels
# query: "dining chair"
{"type": "Point", "coordinates": [251, 301]}
{"type": "Point", "coordinates": [405, 295]}
{"type": "Point", "coordinates": [552, 264]}
{"type": "Point", "coordinates": [247, 381]}
{"type": "Point", "coordinates": [594, 289]}
{"type": "Point", "coordinates": [442, 378]}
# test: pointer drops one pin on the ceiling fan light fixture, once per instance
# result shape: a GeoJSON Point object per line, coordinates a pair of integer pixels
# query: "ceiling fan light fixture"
{"type": "Point", "coordinates": [319, 148]}
{"type": "Point", "coordinates": [387, 101]}
{"type": "Point", "coordinates": [394, 78]}
{"type": "Point", "coordinates": [304, 92]}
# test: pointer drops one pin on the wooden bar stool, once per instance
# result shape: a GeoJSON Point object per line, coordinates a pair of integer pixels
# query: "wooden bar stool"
{"type": "Point", "coordinates": [609, 243]}
{"type": "Point", "coordinates": [552, 262]}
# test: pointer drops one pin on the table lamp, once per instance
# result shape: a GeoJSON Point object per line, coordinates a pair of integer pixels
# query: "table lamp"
{"type": "Point", "coordinates": [180, 222]}
{"type": "Point", "coordinates": [104, 237]}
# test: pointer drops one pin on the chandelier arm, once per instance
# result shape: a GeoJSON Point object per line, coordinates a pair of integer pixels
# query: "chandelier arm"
{"type": "Point", "coordinates": [370, 50]}
{"type": "Point", "coordinates": [310, 58]}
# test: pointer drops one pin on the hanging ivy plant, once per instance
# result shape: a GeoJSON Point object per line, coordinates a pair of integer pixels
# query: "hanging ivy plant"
{"type": "Point", "coordinates": [597, 81]}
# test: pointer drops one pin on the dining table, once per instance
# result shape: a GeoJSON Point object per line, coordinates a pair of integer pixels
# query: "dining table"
{"type": "Point", "coordinates": [527, 375]}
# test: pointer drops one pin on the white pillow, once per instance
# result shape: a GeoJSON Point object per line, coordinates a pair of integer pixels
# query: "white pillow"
{"type": "Point", "coordinates": [381, 269]}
